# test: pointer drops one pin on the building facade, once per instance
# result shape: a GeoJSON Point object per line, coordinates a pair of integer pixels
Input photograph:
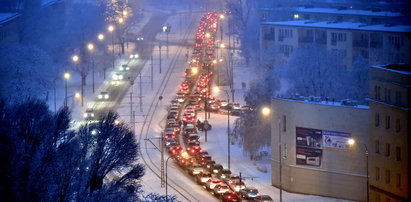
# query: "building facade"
{"type": "Point", "coordinates": [379, 44]}
{"type": "Point", "coordinates": [315, 155]}
{"type": "Point", "coordinates": [9, 28]}
{"type": "Point", "coordinates": [390, 113]}
{"type": "Point", "coordinates": [344, 14]}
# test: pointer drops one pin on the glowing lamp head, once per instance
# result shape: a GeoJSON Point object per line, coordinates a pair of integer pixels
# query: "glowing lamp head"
{"type": "Point", "coordinates": [75, 58]}
{"type": "Point", "coordinates": [266, 111]}
{"type": "Point", "coordinates": [351, 141]}
{"type": "Point", "coordinates": [111, 28]}
{"type": "Point", "coordinates": [66, 76]}
{"type": "Point", "coordinates": [90, 46]}
{"type": "Point", "coordinates": [194, 70]}
{"type": "Point", "coordinates": [100, 37]}
{"type": "Point", "coordinates": [216, 89]}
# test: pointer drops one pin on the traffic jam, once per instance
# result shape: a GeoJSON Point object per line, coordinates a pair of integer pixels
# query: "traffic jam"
{"type": "Point", "coordinates": [180, 134]}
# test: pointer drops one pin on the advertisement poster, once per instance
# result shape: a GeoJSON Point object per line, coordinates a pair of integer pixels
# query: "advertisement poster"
{"type": "Point", "coordinates": [337, 140]}
{"type": "Point", "coordinates": [309, 146]}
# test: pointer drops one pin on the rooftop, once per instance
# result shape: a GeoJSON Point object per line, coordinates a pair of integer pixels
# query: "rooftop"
{"type": "Point", "coordinates": [318, 100]}
{"type": "Point", "coordinates": [342, 25]}
{"type": "Point", "coordinates": [349, 12]}
{"type": "Point", "coordinates": [398, 68]}
{"type": "Point", "coordinates": [4, 17]}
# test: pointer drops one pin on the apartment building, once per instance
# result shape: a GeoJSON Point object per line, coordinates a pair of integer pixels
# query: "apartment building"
{"type": "Point", "coordinates": [315, 155]}
{"type": "Point", "coordinates": [344, 14]}
{"type": "Point", "coordinates": [390, 114]}
{"type": "Point", "coordinates": [380, 44]}
{"type": "Point", "coordinates": [9, 28]}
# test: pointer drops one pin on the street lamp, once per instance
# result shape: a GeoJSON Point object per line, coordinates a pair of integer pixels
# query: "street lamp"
{"type": "Point", "coordinates": [100, 37]}
{"type": "Point", "coordinates": [266, 111]}
{"type": "Point", "coordinates": [90, 47]}
{"type": "Point", "coordinates": [351, 142]}
{"type": "Point", "coordinates": [217, 90]}
{"type": "Point", "coordinates": [66, 77]}
{"type": "Point", "coordinates": [184, 155]}
{"type": "Point", "coordinates": [111, 29]}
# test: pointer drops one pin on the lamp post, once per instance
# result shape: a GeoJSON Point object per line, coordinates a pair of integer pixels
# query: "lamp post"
{"type": "Point", "coordinates": [266, 112]}
{"type": "Point", "coordinates": [111, 29]}
{"type": "Point", "coordinates": [66, 77]}
{"type": "Point", "coordinates": [90, 47]}
{"type": "Point", "coordinates": [351, 142]}
{"type": "Point", "coordinates": [101, 37]}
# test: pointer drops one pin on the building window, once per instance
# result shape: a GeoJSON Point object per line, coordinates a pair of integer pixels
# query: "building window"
{"type": "Point", "coordinates": [377, 119]}
{"type": "Point", "coordinates": [284, 123]}
{"type": "Point", "coordinates": [338, 37]}
{"type": "Point", "coordinates": [285, 33]}
{"type": "Point", "coordinates": [269, 34]}
{"type": "Point", "coordinates": [377, 198]}
{"type": "Point", "coordinates": [377, 93]}
{"type": "Point", "coordinates": [286, 49]}
{"type": "Point", "coordinates": [377, 146]}
{"type": "Point", "coordinates": [398, 98]}
{"type": "Point", "coordinates": [387, 149]}
{"type": "Point", "coordinates": [387, 176]}
{"type": "Point", "coordinates": [396, 41]}
{"type": "Point", "coordinates": [397, 125]}
{"type": "Point", "coordinates": [398, 180]}
{"type": "Point", "coordinates": [377, 173]}
{"type": "Point", "coordinates": [387, 95]}
{"type": "Point", "coordinates": [398, 153]}
{"type": "Point", "coordinates": [387, 122]}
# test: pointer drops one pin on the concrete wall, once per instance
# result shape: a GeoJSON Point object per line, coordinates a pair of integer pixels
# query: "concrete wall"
{"type": "Point", "coordinates": [342, 173]}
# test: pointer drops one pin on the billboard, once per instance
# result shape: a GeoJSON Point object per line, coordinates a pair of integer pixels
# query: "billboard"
{"type": "Point", "coordinates": [309, 146]}
{"type": "Point", "coordinates": [310, 143]}
{"type": "Point", "coordinates": [337, 140]}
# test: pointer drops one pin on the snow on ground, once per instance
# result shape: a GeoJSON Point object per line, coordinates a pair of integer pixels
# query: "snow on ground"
{"type": "Point", "coordinates": [217, 138]}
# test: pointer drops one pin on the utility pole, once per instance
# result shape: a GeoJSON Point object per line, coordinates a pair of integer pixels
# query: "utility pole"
{"type": "Point", "coordinates": [152, 72]}
{"type": "Point", "coordinates": [159, 52]}
{"type": "Point", "coordinates": [131, 99]}
{"type": "Point", "coordinates": [280, 156]}
{"type": "Point", "coordinates": [141, 94]}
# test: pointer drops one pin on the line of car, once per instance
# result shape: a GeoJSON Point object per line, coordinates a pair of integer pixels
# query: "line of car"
{"type": "Point", "coordinates": [182, 125]}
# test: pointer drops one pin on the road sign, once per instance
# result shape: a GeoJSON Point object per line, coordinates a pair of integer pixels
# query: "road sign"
{"type": "Point", "coordinates": [206, 126]}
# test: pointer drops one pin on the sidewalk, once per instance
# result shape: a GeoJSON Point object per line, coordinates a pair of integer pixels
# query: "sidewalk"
{"type": "Point", "coordinates": [57, 96]}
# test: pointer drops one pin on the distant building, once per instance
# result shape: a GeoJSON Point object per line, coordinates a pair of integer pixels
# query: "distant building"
{"type": "Point", "coordinates": [380, 44]}
{"type": "Point", "coordinates": [316, 158]}
{"type": "Point", "coordinates": [9, 28]}
{"type": "Point", "coordinates": [390, 132]}
{"type": "Point", "coordinates": [344, 14]}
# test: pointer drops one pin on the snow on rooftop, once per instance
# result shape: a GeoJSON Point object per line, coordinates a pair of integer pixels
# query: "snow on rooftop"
{"type": "Point", "coordinates": [48, 2]}
{"type": "Point", "coordinates": [342, 25]}
{"type": "Point", "coordinates": [325, 102]}
{"type": "Point", "coordinates": [349, 12]}
{"type": "Point", "coordinates": [398, 68]}
{"type": "Point", "coordinates": [4, 17]}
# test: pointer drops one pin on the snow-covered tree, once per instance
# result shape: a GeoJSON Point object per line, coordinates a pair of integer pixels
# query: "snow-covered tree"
{"type": "Point", "coordinates": [27, 70]}
{"type": "Point", "coordinates": [41, 159]}
{"type": "Point", "coordinates": [314, 70]}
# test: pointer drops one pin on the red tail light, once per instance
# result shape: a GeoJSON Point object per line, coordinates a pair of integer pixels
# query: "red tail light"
{"type": "Point", "coordinates": [229, 197]}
